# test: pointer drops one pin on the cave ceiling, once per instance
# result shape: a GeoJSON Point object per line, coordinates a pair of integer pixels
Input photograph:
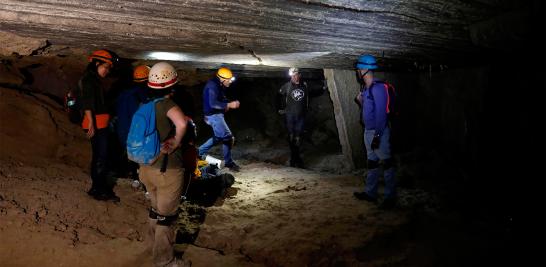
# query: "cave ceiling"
{"type": "Point", "coordinates": [267, 34]}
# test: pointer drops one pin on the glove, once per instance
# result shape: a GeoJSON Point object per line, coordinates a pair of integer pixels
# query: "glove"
{"type": "Point", "coordinates": [375, 142]}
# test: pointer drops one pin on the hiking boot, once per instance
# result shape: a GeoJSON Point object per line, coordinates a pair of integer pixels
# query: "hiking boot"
{"type": "Point", "coordinates": [388, 203]}
{"type": "Point", "coordinates": [93, 192]}
{"type": "Point", "coordinates": [180, 263]}
{"type": "Point", "coordinates": [364, 196]}
{"type": "Point", "coordinates": [233, 167]}
{"type": "Point", "coordinates": [107, 197]}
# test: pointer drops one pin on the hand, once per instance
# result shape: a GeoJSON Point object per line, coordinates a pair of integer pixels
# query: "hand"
{"type": "Point", "coordinates": [233, 104]}
{"type": "Point", "coordinates": [375, 142]}
{"type": "Point", "coordinates": [358, 99]}
{"type": "Point", "coordinates": [169, 146]}
{"type": "Point", "coordinates": [281, 111]}
{"type": "Point", "coordinates": [91, 130]}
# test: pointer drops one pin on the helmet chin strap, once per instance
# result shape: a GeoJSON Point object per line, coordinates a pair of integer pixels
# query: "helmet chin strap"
{"type": "Point", "coordinates": [365, 73]}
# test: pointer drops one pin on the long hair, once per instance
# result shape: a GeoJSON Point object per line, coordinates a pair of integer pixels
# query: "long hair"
{"type": "Point", "coordinates": [92, 66]}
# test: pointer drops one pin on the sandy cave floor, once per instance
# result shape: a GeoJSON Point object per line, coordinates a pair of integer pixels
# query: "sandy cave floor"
{"type": "Point", "coordinates": [272, 216]}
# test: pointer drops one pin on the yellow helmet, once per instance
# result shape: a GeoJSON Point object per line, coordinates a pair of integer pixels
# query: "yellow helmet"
{"type": "Point", "coordinates": [140, 74]}
{"type": "Point", "coordinates": [225, 73]}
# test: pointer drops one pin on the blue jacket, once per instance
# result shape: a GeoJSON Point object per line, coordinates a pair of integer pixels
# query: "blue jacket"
{"type": "Point", "coordinates": [127, 104]}
{"type": "Point", "coordinates": [214, 98]}
{"type": "Point", "coordinates": [374, 111]}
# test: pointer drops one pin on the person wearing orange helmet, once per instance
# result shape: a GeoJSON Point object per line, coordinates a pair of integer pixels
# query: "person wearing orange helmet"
{"type": "Point", "coordinates": [127, 103]}
{"type": "Point", "coordinates": [95, 122]}
{"type": "Point", "coordinates": [215, 104]}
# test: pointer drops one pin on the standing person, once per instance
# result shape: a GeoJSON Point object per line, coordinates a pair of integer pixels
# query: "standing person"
{"type": "Point", "coordinates": [185, 101]}
{"type": "Point", "coordinates": [127, 103]}
{"type": "Point", "coordinates": [164, 178]}
{"type": "Point", "coordinates": [215, 105]}
{"type": "Point", "coordinates": [293, 103]}
{"type": "Point", "coordinates": [95, 122]}
{"type": "Point", "coordinates": [373, 99]}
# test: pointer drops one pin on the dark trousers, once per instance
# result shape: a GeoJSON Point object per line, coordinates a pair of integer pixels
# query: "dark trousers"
{"type": "Point", "coordinates": [99, 162]}
{"type": "Point", "coordinates": [295, 124]}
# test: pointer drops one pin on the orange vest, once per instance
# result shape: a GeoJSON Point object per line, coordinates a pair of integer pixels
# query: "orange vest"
{"type": "Point", "coordinates": [101, 121]}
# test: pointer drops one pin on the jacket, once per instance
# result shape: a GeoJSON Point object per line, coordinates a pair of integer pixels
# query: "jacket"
{"type": "Point", "coordinates": [214, 98]}
{"type": "Point", "coordinates": [374, 107]}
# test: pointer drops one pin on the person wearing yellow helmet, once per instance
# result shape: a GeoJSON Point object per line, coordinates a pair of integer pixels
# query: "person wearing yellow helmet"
{"type": "Point", "coordinates": [127, 103]}
{"type": "Point", "coordinates": [215, 105]}
{"type": "Point", "coordinates": [96, 120]}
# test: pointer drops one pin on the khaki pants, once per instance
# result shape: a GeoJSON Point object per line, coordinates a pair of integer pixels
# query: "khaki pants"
{"type": "Point", "coordinates": [165, 190]}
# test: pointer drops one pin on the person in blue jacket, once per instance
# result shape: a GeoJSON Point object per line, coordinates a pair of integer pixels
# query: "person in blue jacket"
{"type": "Point", "coordinates": [127, 104]}
{"type": "Point", "coordinates": [215, 105]}
{"type": "Point", "coordinates": [373, 99]}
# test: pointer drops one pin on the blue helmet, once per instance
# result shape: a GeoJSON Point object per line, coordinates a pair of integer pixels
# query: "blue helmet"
{"type": "Point", "coordinates": [366, 62]}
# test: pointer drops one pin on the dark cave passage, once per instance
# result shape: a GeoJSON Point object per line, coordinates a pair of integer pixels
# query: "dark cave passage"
{"type": "Point", "coordinates": [466, 145]}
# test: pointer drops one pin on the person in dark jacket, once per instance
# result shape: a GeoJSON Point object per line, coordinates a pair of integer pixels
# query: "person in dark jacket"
{"type": "Point", "coordinates": [293, 102]}
{"type": "Point", "coordinates": [95, 122]}
{"type": "Point", "coordinates": [127, 104]}
{"type": "Point", "coordinates": [374, 102]}
{"type": "Point", "coordinates": [215, 105]}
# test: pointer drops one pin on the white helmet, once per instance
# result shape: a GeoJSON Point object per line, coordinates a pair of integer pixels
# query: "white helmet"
{"type": "Point", "coordinates": [162, 75]}
{"type": "Point", "coordinates": [293, 71]}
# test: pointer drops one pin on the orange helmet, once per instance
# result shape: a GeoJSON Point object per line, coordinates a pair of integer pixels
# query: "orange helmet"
{"type": "Point", "coordinates": [140, 74]}
{"type": "Point", "coordinates": [102, 55]}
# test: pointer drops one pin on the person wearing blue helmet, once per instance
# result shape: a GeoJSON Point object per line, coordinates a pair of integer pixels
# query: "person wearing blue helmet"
{"type": "Point", "coordinates": [373, 99]}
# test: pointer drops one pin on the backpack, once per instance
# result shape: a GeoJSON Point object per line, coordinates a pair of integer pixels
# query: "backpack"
{"type": "Point", "coordinates": [143, 142]}
{"type": "Point", "coordinates": [392, 105]}
{"type": "Point", "coordinates": [72, 105]}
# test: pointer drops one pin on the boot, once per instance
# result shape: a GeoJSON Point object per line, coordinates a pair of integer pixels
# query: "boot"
{"type": "Point", "coordinates": [163, 249]}
{"type": "Point", "coordinates": [297, 145]}
{"type": "Point", "coordinates": [371, 182]}
{"type": "Point", "coordinates": [292, 150]}
{"type": "Point", "coordinates": [292, 156]}
{"type": "Point", "coordinates": [390, 183]}
{"type": "Point", "coordinates": [151, 233]}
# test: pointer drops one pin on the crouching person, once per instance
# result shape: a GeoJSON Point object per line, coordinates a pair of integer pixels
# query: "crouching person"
{"type": "Point", "coordinates": [164, 178]}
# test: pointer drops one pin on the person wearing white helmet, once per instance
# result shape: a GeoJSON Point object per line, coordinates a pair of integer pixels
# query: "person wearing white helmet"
{"type": "Point", "coordinates": [293, 102]}
{"type": "Point", "coordinates": [164, 178]}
